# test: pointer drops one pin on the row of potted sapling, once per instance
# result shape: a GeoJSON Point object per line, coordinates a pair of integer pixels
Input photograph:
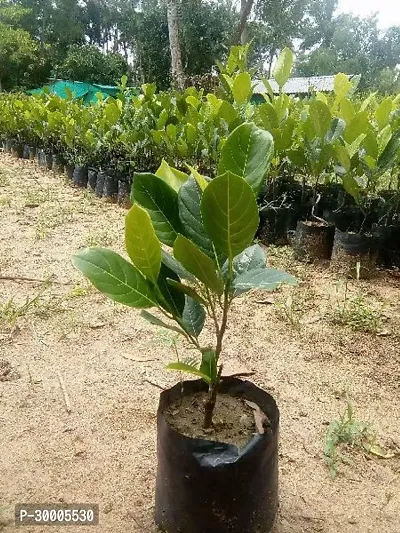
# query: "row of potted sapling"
{"type": "Point", "coordinates": [322, 223]}
{"type": "Point", "coordinates": [327, 223]}
{"type": "Point", "coordinates": [104, 184]}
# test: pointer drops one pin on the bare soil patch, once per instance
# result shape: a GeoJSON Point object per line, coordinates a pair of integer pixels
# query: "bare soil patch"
{"type": "Point", "coordinates": [112, 362]}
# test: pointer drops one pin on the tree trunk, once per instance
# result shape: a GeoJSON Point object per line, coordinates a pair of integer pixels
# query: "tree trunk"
{"type": "Point", "coordinates": [245, 10]}
{"type": "Point", "coordinates": [178, 78]}
{"type": "Point", "coordinates": [271, 60]}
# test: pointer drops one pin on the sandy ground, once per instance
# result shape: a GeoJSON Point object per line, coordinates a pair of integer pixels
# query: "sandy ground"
{"type": "Point", "coordinates": [110, 360]}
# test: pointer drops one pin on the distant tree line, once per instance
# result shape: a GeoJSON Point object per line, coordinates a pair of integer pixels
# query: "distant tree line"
{"type": "Point", "coordinates": [100, 40]}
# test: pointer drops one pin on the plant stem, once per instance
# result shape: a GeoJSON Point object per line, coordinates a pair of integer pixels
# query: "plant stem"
{"type": "Point", "coordinates": [213, 388]}
{"type": "Point", "coordinates": [211, 400]}
{"type": "Point", "coordinates": [222, 328]}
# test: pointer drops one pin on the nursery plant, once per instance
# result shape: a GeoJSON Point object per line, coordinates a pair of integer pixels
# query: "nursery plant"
{"type": "Point", "coordinates": [208, 226]}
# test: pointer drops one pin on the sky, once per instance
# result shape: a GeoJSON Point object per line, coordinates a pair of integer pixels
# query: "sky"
{"type": "Point", "coordinates": [388, 10]}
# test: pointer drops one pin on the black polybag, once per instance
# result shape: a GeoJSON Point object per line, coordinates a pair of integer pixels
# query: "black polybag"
{"type": "Point", "coordinates": [211, 487]}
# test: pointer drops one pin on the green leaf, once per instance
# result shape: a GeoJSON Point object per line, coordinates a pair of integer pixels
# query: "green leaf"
{"type": "Point", "coordinates": [251, 258]}
{"type": "Point", "coordinates": [172, 176]}
{"type": "Point", "coordinates": [383, 111]}
{"type": "Point", "coordinates": [227, 112]}
{"type": "Point", "coordinates": [191, 133]}
{"type": "Point", "coordinates": [268, 116]}
{"type": "Point", "coordinates": [241, 88]}
{"type": "Point", "coordinates": [247, 152]}
{"type": "Point", "coordinates": [189, 200]}
{"type": "Point", "coordinates": [172, 132]}
{"type": "Point", "coordinates": [336, 129]}
{"type": "Point", "coordinates": [112, 113]}
{"type": "Point", "coordinates": [161, 202]}
{"type": "Point", "coordinates": [189, 369]}
{"type": "Point", "coordinates": [268, 87]}
{"type": "Point", "coordinates": [230, 213]}
{"type": "Point", "coordinates": [193, 101]}
{"type": "Point", "coordinates": [283, 67]}
{"type": "Point", "coordinates": [342, 156]}
{"type": "Point", "coordinates": [355, 145]}
{"type": "Point", "coordinates": [324, 157]}
{"type": "Point", "coordinates": [209, 365]}
{"type": "Point", "coordinates": [115, 277]}
{"type": "Point", "coordinates": [347, 110]}
{"type": "Point", "coordinates": [186, 290]}
{"type": "Point", "coordinates": [341, 85]}
{"type": "Point", "coordinates": [193, 316]}
{"type": "Point", "coordinates": [176, 267]}
{"type": "Point", "coordinates": [228, 80]}
{"type": "Point", "coordinates": [263, 278]}
{"type": "Point", "coordinates": [297, 157]}
{"type": "Point", "coordinates": [174, 300]}
{"type": "Point", "coordinates": [366, 103]}
{"type": "Point", "coordinates": [359, 125]}
{"type": "Point", "coordinates": [201, 180]}
{"type": "Point", "coordinates": [370, 144]}
{"type": "Point", "coordinates": [141, 242]}
{"type": "Point", "coordinates": [320, 118]}
{"type": "Point", "coordinates": [390, 153]}
{"type": "Point", "coordinates": [384, 137]}
{"type": "Point", "coordinates": [162, 119]}
{"type": "Point", "coordinates": [157, 322]}
{"type": "Point", "coordinates": [198, 263]}
{"type": "Point", "coordinates": [351, 186]}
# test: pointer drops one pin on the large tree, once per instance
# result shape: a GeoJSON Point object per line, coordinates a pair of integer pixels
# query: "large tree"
{"type": "Point", "coordinates": [277, 24]}
{"type": "Point", "coordinates": [351, 45]}
{"type": "Point", "coordinates": [17, 49]}
{"type": "Point", "coordinates": [88, 63]}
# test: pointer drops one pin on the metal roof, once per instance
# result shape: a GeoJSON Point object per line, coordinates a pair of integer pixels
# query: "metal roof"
{"type": "Point", "coordinates": [299, 85]}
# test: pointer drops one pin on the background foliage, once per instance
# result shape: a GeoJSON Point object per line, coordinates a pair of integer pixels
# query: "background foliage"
{"type": "Point", "coordinates": [43, 38]}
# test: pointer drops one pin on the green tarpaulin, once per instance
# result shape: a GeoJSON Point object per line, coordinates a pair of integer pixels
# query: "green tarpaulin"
{"type": "Point", "coordinates": [87, 92]}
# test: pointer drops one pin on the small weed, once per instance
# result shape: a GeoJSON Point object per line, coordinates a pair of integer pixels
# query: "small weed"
{"type": "Point", "coordinates": [281, 256]}
{"type": "Point", "coordinates": [346, 431]}
{"type": "Point", "coordinates": [51, 219]}
{"type": "Point", "coordinates": [79, 291]}
{"type": "Point", "coordinates": [292, 307]}
{"type": "Point", "coordinates": [165, 338]}
{"type": "Point", "coordinates": [39, 196]}
{"type": "Point", "coordinates": [102, 238]}
{"type": "Point", "coordinates": [356, 311]}
{"type": "Point", "coordinates": [10, 311]}
{"type": "Point", "coordinates": [351, 434]}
